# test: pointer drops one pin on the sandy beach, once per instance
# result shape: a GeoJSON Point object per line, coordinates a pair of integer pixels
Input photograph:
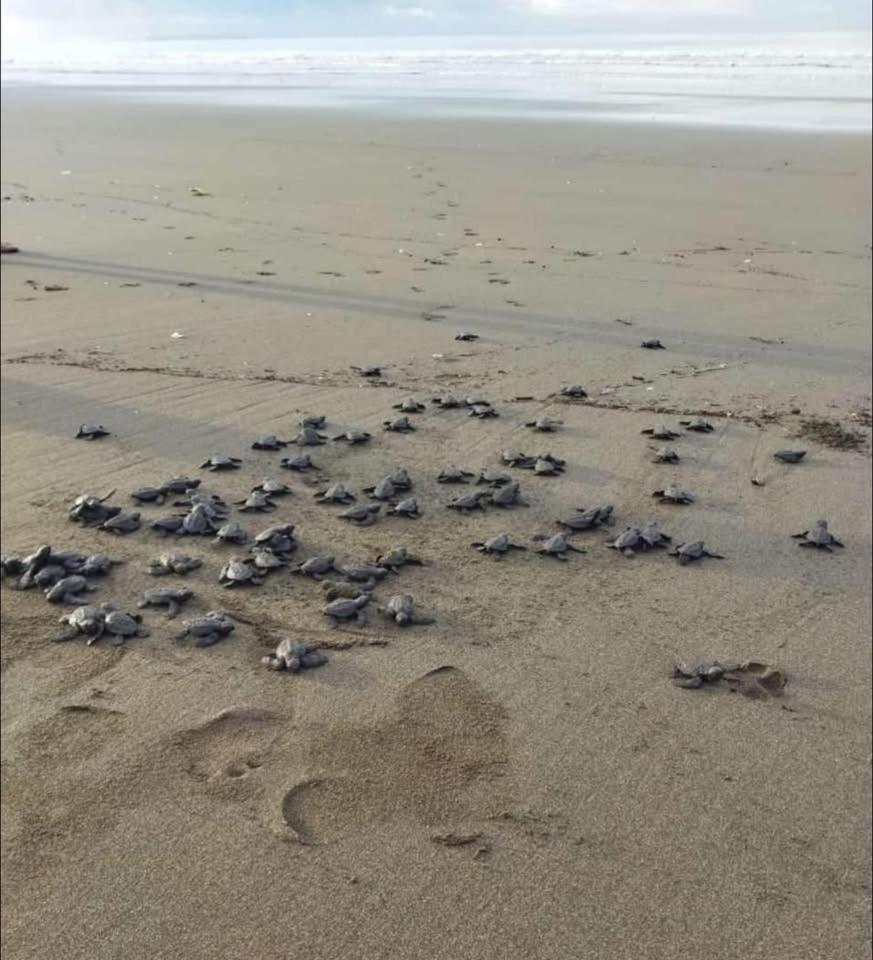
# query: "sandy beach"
{"type": "Point", "coordinates": [520, 779]}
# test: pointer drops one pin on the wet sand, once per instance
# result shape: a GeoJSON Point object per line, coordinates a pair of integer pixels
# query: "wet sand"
{"type": "Point", "coordinates": [166, 801]}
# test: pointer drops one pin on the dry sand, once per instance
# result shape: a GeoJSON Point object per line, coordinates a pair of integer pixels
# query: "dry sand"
{"type": "Point", "coordinates": [161, 801]}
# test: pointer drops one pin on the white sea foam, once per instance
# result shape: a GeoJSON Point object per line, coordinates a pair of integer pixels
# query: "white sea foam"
{"type": "Point", "coordinates": [803, 80]}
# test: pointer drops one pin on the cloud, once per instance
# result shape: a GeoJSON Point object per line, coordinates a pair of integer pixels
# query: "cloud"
{"type": "Point", "coordinates": [420, 13]}
{"type": "Point", "coordinates": [663, 9]}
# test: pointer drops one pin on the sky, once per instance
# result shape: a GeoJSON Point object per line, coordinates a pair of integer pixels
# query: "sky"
{"type": "Point", "coordinates": [31, 22]}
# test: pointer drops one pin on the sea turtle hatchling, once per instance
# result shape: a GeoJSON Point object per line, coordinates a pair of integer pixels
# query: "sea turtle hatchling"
{"type": "Point", "coordinates": [544, 424]}
{"type": "Point", "coordinates": [493, 478]}
{"type": "Point", "coordinates": [651, 536]}
{"type": "Point", "coordinates": [199, 521]}
{"type": "Point", "coordinates": [467, 337]}
{"type": "Point", "coordinates": [353, 437]}
{"type": "Point", "coordinates": [167, 525]}
{"type": "Point", "coordinates": [507, 496]}
{"type": "Point", "coordinates": [87, 620]}
{"type": "Point", "coordinates": [401, 609]}
{"type": "Point", "coordinates": [575, 392]}
{"type": "Point", "coordinates": [178, 485]}
{"type": "Point", "coordinates": [125, 521]}
{"type": "Point", "coordinates": [335, 493]}
{"type": "Point", "coordinates": [697, 425]}
{"type": "Point", "coordinates": [340, 589]}
{"type": "Point", "coordinates": [695, 550]}
{"type": "Point", "coordinates": [49, 575]}
{"type": "Point", "coordinates": [121, 624]}
{"type": "Point", "coordinates": [409, 406]}
{"type": "Point", "coordinates": [672, 494]}
{"type": "Point", "coordinates": [149, 495]}
{"type": "Point", "coordinates": [401, 479]}
{"type": "Point", "coordinates": [660, 432]}
{"type": "Point", "coordinates": [363, 515]}
{"type": "Point", "coordinates": [399, 425]}
{"type": "Point", "coordinates": [548, 466]}
{"type": "Point", "coordinates": [652, 344]}
{"type": "Point", "coordinates": [294, 656]}
{"type": "Point", "coordinates": [307, 437]}
{"type": "Point", "coordinates": [556, 546]}
{"type": "Point", "coordinates": [405, 508]}
{"type": "Point", "coordinates": [497, 546]}
{"type": "Point", "coordinates": [692, 678]}
{"type": "Point", "coordinates": [314, 421]}
{"type": "Point", "coordinates": [179, 563]}
{"type": "Point", "coordinates": [173, 598]}
{"type": "Point", "coordinates": [344, 610]}
{"type": "Point", "coordinates": [467, 502]}
{"type": "Point", "coordinates": [239, 570]}
{"type": "Point", "coordinates": [316, 567]}
{"type": "Point", "coordinates": [91, 431]}
{"type": "Point", "coordinates": [265, 559]}
{"type": "Point", "coordinates": [301, 463]}
{"type": "Point", "coordinates": [448, 403]}
{"type": "Point", "coordinates": [481, 411]}
{"type": "Point", "coordinates": [366, 573]}
{"type": "Point", "coordinates": [665, 455]}
{"type": "Point", "coordinates": [628, 541]}
{"type": "Point", "coordinates": [92, 511]}
{"type": "Point", "coordinates": [94, 565]}
{"type": "Point", "coordinates": [221, 462]}
{"type": "Point", "coordinates": [588, 519]}
{"type": "Point", "coordinates": [208, 628]}
{"type": "Point", "coordinates": [818, 536]}
{"type": "Point", "coordinates": [278, 538]}
{"type": "Point", "coordinates": [789, 456]}
{"type": "Point", "coordinates": [368, 371]}
{"type": "Point", "coordinates": [11, 566]}
{"type": "Point", "coordinates": [514, 458]}
{"type": "Point", "coordinates": [383, 490]}
{"type": "Point", "coordinates": [453, 474]}
{"type": "Point", "coordinates": [69, 590]}
{"type": "Point", "coordinates": [272, 488]}
{"type": "Point", "coordinates": [231, 533]}
{"type": "Point", "coordinates": [256, 501]}
{"type": "Point", "coordinates": [396, 558]}
{"type": "Point", "coordinates": [269, 442]}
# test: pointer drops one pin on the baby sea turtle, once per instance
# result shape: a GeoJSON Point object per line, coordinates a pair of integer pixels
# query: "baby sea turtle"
{"type": "Point", "coordinates": [588, 519]}
{"type": "Point", "coordinates": [399, 425]}
{"type": "Point", "coordinates": [368, 371]}
{"type": "Point", "coordinates": [168, 525]}
{"type": "Point", "coordinates": [91, 431]}
{"type": "Point", "coordinates": [94, 565]}
{"type": "Point", "coordinates": [336, 589]}
{"type": "Point", "coordinates": [307, 437]}
{"type": "Point", "coordinates": [209, 503]}
{"type": "Point", "coordinates": [651, 536]}
{"type": "Point", "coordinates": [481, 410]}
{"type": "Point", "coordinates": [180, 485]}
{"type": "Point", "coordinates": [548, 466]}
{"type": "Point", "coordinates": [353, 437]}
{"type": "Point", "coordinates": [652, 344]}
{"type": "Point", "coordinates": [628, 541]}
{"type": "Point", "coordinates": [256, 501]}
{"type": "Point", "coordinates": [221, 462]}
{"type": "Point", "coordinates": [556, 546]}
{"type": "Point", "coordinates": [468, 502]}
{"type": "Point", "coordinates": [544, 424]}
{"type": "Point", "coordinates": [790, 456]}
{"type": "Point", "coordinates": [517, 459]}
{"type": "Point", "coordinates": [149, 495]}
{"type": "Point", "coordinates": [507, 496]}
{"type": "Point", "coordinates": [396, 558]}
{"type": "Point", "coordinates": [272, 488]}
{"type": "Point", "coordinates": [364, 515]}
{"type": "Point", "coordinates": [89, 621]}
{"type": "Point", "coordinates": [818, 536]}
{"type": "Point", "coordinates": [121, 624]}
{"type": "Point", "coordinates": [199, 521]}
{"type": "Point", "coordinates": [493, 478]}
{"type": "Point", "coordinates": [409, 406]}
{"type": "Point", "coordinates": [239, 570]}
{"type": "Point", "coordinates": [179, 563]}
{"type": "Point", "coordinates": [315, 421]}
{"type": "Point", "coordinates": [208, 628]}
{"type": "Point", "coordinates": [366, 573]}
{"type": "Point", "coordinates": [125, 521]}
{"type": "Point", "coordinates": [673, 494]}
{"type": "Point", "coordinates": [231, 533]}
{"type": "Point", "coordinates": [92, 511]}
{"type": "Point", "coordinates": [69, 590]}
{"type": "Point", "coordinates": [265, 559]}
{"type": "Point", "coordinates": [497, 546]}
{"type": "Point", "coordinates": [173, 598]}
{"type": "Point", "coordinates": [661, 432]}
{"type": "Point", "coordinates": [269, 442]}
{"type": "Point", "coordinates": [345, 609]}
{"type": "Point", "coordinates": [294, 656]}
{"type": "Point", "coordinates": [688, 552]}
{"type": "Point", "coordinates": [575, 392]}
{"type": "Point", "coordinates": [11, 566]}
{"type": "Point", "coordinates": [665, 455]}
{"type": "Point", "coordinates": [467, 337]}
{"type": "Point", "coordinates": [448, 403]}
{"type": "Point", "coordinates": [316, 567]}
{"type": "Point", "coordinates": [692, 678]}
{"type": "Point", "coordinates": [698, 425]}
{"type": "Point", "coordinates": [405, 508]}
{"type": "Point", "coordinates": [48, 575]}
{"type": "Point", "coordinates": [453, 474]}
{"type": "Point", "coordinates": [401, 609]}
{"type": "Point", "coordinates": [401, 479]}
{"type": "Point", "coordinates": [278, 538]}
{"type": "Point", "coordinates": [335, 493]}
{"type": "Point", "coordinates": [300, 463]}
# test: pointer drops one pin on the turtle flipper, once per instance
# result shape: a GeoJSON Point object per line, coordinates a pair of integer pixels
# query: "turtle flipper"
{"type": "Point", "coordinates": [68, 634]}
{"type": "Point", "coordinates": [172, 609]}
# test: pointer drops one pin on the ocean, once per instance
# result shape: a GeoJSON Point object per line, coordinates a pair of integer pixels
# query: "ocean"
{"type": "Point", "coordinates": [799, 81]}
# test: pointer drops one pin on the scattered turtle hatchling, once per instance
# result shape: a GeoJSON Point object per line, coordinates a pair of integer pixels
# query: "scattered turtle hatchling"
{"type": "Point", "coordinates": [628, 541]}
{"type": "Point", "coordinates": [168, 525]}
{"type": "Point", "coordinates": [789, 456]}
{"type": "Point", "coordinates": [548, 466]}
{"type": "Point", "coordinates": [399, 425]}
{"type": "Point", "coordinates": [689, 552]}
{"type": "Point", "coordinates": [300, 463]}
{"type": "Point", "coordinates": [199, 521]}
{"type": "Point", "coordinates": [665, 455]}
{"type": "Point", "coordinates": [493, 478]}
{"type": "Point", "coordinates": [125, 521]}
{"type": "Point", "coordinates": [335, 493]}
{"type": "Point", "coordinates": [383, 490]}
{"type": "Point", "coordinates": [652, 344]}
{"type": "Point", "coordinates": [557, 546]}
{"type": "Point", "coordinates": [92, 511]}
{"type": "Point", "coordinates": [86, 620]}
{"type": "Point", "coordinates": [221, 462]}
{"type": "Point", "coordinates": [345, 609]}
{"type": "Point", "coordinates": [30, 566]}
{"type": "Point", "coordinates": [467, 337]}
{"type": "Point", "coordinates": [574, 392]}
{"type": "Point", "coordinates": [497, 546]}
{"type": "Point", "coordinates": [752, 678]}
{"type": "Point", "coordinates": [11, 566]}
{"type": "Point", "coordinates": [294, 656]}
{"type": "Point", "coordinates": [231, 533]}
{"type": "Point", "coordinates": [401, 609]}
{"type": "Point", "coordinates": [818, 536]}
{"type": "Point", "coordinates": [49, 575]}
{"type": "Point", "coordinates": [517, 459]}
{"type": "Point", "coordinates": [208, 628]}
{"type": "Point", "coordinates": [353, 437]}
{"type": "Point", "coordinates": [364, 514]}
{"type": "Point", "coordinates": [69, 590]}
{"type": "Point", "coordinates": [239, 570]}
{"type": "Point", "coordinates": [173, 598]}
{"type": "Point", "coordinates": [366, 573]}
{"type": "Point", "coordinates": [314, 421]}
{"type": "Point", "coordinates": [269, 442]}
{"type": "Point", "coordinates": [149, 495]}
{"type": "Point", "coordinates": [481, 410]}
{"type": "Point", "coordinates": [210, 503]}
{"type": "Point", "coordinates": [697, 425]}
{"type": "Point", "coordinates": [91, 431]}
{"type": "Point", "coordinates": [468, 502]}
{"type": "Point", "coordinates": [661, 432]}
{"type": "Point", "coordinates": [306, 437]}
{"type": "Point", "coordinates": [265, 559]}
{"type": "Point", "coordinates": [409, 406]}
{"type": "Point", "coordinates": [588, 519]}
{"type": "Point", "coordinates": [179, 563]}
{"type": "Point", "coordinates": [651, 536]}
{"type": "Point", "coordinates": [368, 371]}
{"type": "Point", "coordinates": [316, 567]}
{"type": "Point", "coordinates": [507, 496]}
{"type": "Point", "coordinates": [256, 501]}
{"type": "Point", "coordinates": [544, 424]}
{"type": "Point", "coordinates": [121, 624]}
{"type": "Point", "coordinates": [337, 589]}
{"type": "Point", "coordinates": [178, 485]}
{"type": "Point", "coordinates": [448, 403]}
{"type": "Point", "coordinates": [401, 479]}
{"type": "Point", "coordinates": [94, 565]}
{"type": "Point", "coordinates": [278, 538]}
{"type": "Point", "coordinates": [453, 474]}
{"type": "Point", "coordinates": [396, 558]}
{"type": "Point", "coordinates": [692, 678]}
{"type": "Point", "coordinates": [405, 508]}
{"type": "Point", "coordinates": [272, 488]}
{"type": "Point", "coordinates": [673, 494]}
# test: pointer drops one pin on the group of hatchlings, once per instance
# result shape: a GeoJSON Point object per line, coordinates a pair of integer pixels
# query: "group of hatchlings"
{"type": "Point", "coordinates": [64, 575]}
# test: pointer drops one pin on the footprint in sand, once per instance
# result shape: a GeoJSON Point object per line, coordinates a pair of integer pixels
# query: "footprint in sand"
{"type": "Point", "coordinates": [442, 759]}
